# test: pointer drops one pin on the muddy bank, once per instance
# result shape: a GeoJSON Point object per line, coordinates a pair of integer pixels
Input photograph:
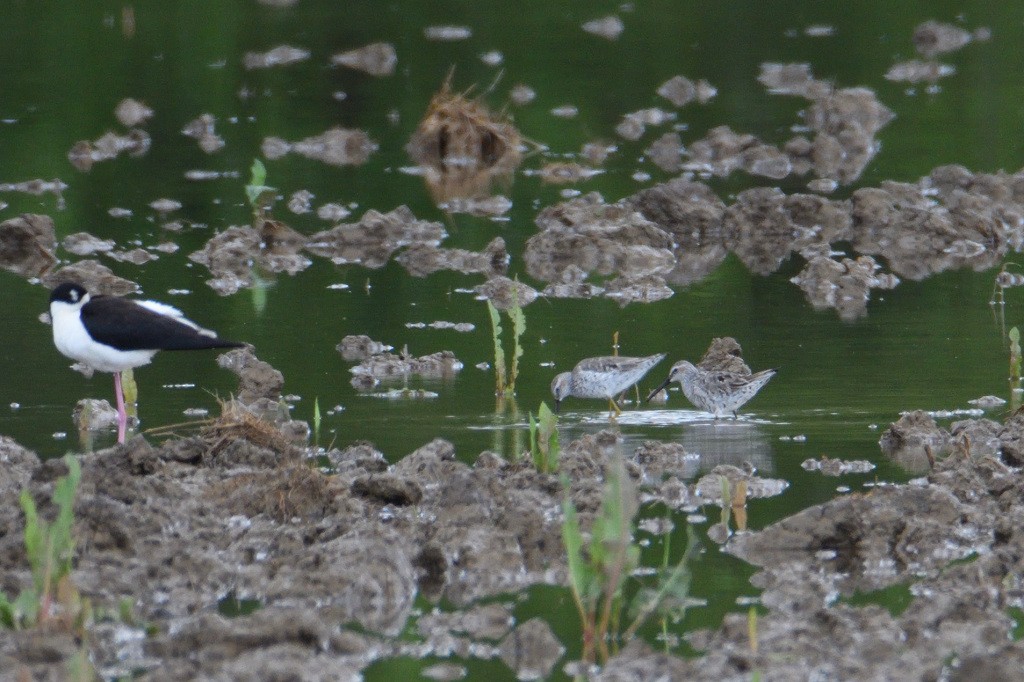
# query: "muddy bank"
{"type": "Point", "coordinates": [334, 550]}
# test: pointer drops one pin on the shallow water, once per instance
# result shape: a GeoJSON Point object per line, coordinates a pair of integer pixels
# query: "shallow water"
{"type": "Point", "coordinates": [929, 345]}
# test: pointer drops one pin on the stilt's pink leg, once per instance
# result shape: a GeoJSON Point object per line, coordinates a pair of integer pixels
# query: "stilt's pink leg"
{"type": "Point", "coordinates": [122, 416]}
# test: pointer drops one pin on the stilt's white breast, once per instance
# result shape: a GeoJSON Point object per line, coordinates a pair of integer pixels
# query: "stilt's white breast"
{"type": "Point", "coordinates": [72, 340]}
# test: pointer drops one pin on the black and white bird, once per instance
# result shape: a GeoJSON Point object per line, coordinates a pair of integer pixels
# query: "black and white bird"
{"type": "Point", "coordinates": [112, 334]}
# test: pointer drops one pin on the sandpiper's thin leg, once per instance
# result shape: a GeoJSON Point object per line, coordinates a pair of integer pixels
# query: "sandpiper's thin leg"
{"type": "Point", "coordinates": [122, 416]}
{"type": "Point", "coordinates": [613, 409]}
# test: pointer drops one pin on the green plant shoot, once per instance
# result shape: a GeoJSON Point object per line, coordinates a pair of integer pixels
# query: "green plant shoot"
{"type": "Point", "coordinates": [131, 393]}
{"type": "Point", "coordinates": [50, 548]}
{"type": "Point", "coordinates": [518, 329]}
{"type": "Point", "coordinates": [599, 570]}
{"type": "Point", "coordinates": [1015, 354]}
{"type": "Point", "coordinates": [316, 419]}
{"type": "Point", "coordinates": [257, 191]}
{"type": "Point", "coordinates": [544, 447]}
{"type": "Point", "coordinates": [1015, 362]}
{"type": "Point", "coordinates": [597, 579]}
{"type": "Point", "coordinates": [499, 354]}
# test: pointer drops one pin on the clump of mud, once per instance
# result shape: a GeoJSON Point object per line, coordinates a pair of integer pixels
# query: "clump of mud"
{"type": "Point", "coordinates": [84, 153]}
{"type": "Point", "coordinates": [131, 112]}
{"type": "Point", "coordinates": [376, 59]}
{"type": "Point", "coordinates": [335, 147]}
{"type": "Point", "coordinates": [589, 236]}
{"type": "Point", "coordinates": [282, 55]}
{"type": "Point", "coordinates": [505, 293]}
{"type": "Point", "coordinates": [27, 245]}
{"type": "Point", "coordinates": [372, 240]}
{"type": "Point", "coordinates": [94, 276]}
{"type": "Point", "coordinates": [377, 363]}
{"type": "Point", "coordinates": [337, 558]}
{"type": "Point", "coordinates": [423, 259]}
{"type": "Point", "coordinates": [203, 131]}
{"type": "Point", "coordinates": [462, 147]}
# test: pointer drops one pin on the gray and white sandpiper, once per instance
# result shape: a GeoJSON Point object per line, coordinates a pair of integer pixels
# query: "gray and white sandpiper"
{"type": "Point", "coordinates": [719, 392]}
{"type": "Point", "coordinates": [602, 377]}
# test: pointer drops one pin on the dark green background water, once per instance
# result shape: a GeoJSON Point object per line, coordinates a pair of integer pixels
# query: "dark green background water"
{"type": "Point", "coordinates": [931, 345]}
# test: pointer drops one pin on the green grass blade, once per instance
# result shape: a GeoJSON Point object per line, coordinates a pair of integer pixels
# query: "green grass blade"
{"type": "Point", "coordinates": [35, 539]}
{"type": "Point", "coordinates": [518, 329]}
{"type": "Point", "coordinates": [499, 354]}
{"type": "Point", "coordinates": [581, 575]}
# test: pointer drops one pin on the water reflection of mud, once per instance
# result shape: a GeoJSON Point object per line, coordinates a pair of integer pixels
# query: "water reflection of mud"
{"type": "Point", "coordinates": [736, 442]}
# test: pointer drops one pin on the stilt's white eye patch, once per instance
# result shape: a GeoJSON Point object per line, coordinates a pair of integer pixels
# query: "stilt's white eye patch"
{"type": "Point", "coordinates": [74, 296]}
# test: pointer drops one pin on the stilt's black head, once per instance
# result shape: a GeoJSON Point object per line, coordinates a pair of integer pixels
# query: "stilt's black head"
{"type": "Point", "coordinates": [68, 292]}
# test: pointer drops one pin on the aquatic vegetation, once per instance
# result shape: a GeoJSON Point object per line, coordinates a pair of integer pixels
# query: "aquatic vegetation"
{"type": "Point", "coordinates": [505, 382]}
{"type": "Point", "coordinates": [260, 195]}
{"type": "Point", "coordinates": [131, 393]}
{"type": "Point", "coordinates": [600, 569]}
{"type": "Point", "coordinates": [1015, 361]}
{"type": "Point", "coordinates": [50, 547]}
{"type": "Point", "coordinates": [544, 447]}
{"type": "Point", "coordinates": [316, 420]}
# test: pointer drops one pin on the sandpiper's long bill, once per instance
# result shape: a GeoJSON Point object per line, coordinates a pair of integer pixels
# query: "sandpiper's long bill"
{"type": "Point", "coordinates": [602, 377]}
{"type": "Point", "coordinates": [715, 391]}
{"type": "Point", "coordinates": [112, 334]}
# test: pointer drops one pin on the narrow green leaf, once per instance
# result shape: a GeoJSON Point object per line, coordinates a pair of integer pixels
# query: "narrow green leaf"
{"type": "Point", "coordinates": [518, 329]}
{"type": "Point", "coordinates": [499, 354]}
{"type": "Point", "coordinates": [35, 538]}
{"type": "Point", "coordinates": [581, 575]}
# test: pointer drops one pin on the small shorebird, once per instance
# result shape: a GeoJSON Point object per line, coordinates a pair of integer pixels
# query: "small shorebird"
{"type": "Point", "coordinates": [112, 334]}
{"type": "Point", "coordinates": [716, 391]}
{"type": "Point", "coordinates": [603, 377]}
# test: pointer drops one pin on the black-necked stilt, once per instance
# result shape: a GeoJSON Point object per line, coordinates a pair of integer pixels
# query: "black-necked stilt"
{"type": "Point", "coordinates": [112, 334]}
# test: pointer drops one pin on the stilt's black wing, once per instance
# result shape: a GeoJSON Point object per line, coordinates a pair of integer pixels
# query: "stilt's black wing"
{"type": "Point", "coordinates": [126, 325]}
